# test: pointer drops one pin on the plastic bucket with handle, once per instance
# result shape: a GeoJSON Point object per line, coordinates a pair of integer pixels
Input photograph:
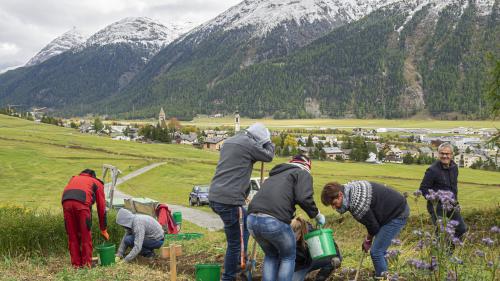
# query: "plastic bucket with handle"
{"type": "Point", "coordinates": [320, 243]}
{"type": "Point", "coordinates": [177, 216]}
{"type": "Point", "coordinates": [207, 272]}
{"type": "Point", "coordinates": [106, 253]}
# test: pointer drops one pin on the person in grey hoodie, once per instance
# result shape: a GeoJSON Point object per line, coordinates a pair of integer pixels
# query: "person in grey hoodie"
{"type": "Point", "coordinates": [143, 233]}
{"type": "Point", "coordinates": [227, 191]}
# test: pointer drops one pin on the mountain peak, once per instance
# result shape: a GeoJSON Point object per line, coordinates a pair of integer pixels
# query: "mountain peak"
{"type": "Point", "coordinates": [61, 44]}
{"type": "Point", "coordinates": [135, 30]}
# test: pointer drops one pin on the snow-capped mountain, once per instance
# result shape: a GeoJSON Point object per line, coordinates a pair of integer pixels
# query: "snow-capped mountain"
{"type": "Point", "coordinates": [61, 44]}
{"type": "Point", "coordinates": [139, 31]}
{"type": "Point", "coordinates": [265, 15]}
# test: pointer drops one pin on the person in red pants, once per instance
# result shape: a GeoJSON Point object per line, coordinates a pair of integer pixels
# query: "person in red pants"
{"type": "Point", "coordinates": [78, 197]}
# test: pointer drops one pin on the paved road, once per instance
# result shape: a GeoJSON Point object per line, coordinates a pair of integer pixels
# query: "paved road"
{"type": "Point", "coordinates": [207, 220]}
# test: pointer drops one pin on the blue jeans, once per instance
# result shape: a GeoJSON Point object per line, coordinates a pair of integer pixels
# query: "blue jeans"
{"type": "Point", "coordinates": [278, 242]}
{"type": "Point", "coordinates": [147, 245]}
{"type": "Point", "coordinates": [382, 241]}
{"type": "Point", "coordinates": [230, 217]}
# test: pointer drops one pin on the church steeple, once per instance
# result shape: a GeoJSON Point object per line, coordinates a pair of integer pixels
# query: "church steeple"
{"type": "Point", "coordinates": [237, 122]}
{"type": "Point", "coordinates": [161, 116]}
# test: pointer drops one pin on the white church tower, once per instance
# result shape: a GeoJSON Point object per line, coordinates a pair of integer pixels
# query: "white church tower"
{"type": "Point", "coordinates": [237, 122]}
{"type": "Point", "coordinates": [161, 116]}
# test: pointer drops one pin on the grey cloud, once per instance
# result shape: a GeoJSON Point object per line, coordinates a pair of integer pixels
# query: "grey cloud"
{"type": "Point", "coordinates": [30, 25]}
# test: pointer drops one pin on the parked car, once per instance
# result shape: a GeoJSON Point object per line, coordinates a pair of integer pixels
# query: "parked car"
{"type": "Point", "coordinates": [253, 188]}
{"type": "Point", "coordinates": [199, 195]}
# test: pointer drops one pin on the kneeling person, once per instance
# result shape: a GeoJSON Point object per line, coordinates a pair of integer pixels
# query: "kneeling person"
{"type": "Point", "coordinates": [303, 260]}
{"type": "Point", "coordinates": [143, 234]}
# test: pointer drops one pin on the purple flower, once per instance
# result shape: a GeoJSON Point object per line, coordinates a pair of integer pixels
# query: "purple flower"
{"type": "Point", "coordinates": [420, 245]}
{"type": "Point", "coordinates": [396, 242]}
{"type": "Point", "coordinates": [417, 193]}
{"type": "Point", "coordinates": [488, 241]}
{"type": "Point", "coordinates": [495, 229]}
{"type": "Point", "coordinates": [432, 196]}
{"type": "Point", "coordinates": [450, 230]}
{"type": "Point", "coordinates": [456, 241]}
{"type": "Point", "coordinates": [391, 254]}
{"type": "Point", "coordinates": [490, 264]}
{"type": "Point", "coordinates": [479, 253]}
{"type": "Point", "coordinates": [419, 264]}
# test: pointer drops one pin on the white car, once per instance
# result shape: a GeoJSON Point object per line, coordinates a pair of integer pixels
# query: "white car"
{"type": "Point", "coordinates": [253, 188]}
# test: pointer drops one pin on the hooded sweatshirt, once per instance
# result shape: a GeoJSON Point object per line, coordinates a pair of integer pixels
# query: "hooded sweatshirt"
{"type": "Point", "coordinates": [142, 227]}
{"type": "Point", "coordinates": [237, 156]}
{"type": "Point", "coordinates": [287, 186]}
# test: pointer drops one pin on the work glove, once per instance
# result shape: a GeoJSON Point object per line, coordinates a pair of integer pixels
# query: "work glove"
{"type": "Point", "coordinates": [367, 244]}
{"type": "Point", "coordinates": [105, 234]}
{"type": "Point", "coordinates": [320, 219]}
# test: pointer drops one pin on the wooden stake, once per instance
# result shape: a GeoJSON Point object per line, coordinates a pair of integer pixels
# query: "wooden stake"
{"type": "Point", "coordinates": [173, 263]}
{"type": "Point", "coordinates": [172, 252]}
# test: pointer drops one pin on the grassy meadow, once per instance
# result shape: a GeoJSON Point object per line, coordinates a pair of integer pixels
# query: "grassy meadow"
{"type": "Point", "coordinates": [36, 161]}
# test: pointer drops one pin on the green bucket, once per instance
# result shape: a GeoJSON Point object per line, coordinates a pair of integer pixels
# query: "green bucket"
{"type": "Point", "coordinates": [177, 218]}
{"type": "Point", "coordinates": [320, 243]}
{"type": "Point", "coordinates": [106, 253]}
{"type": "Point", "coordinates": [207, 272]}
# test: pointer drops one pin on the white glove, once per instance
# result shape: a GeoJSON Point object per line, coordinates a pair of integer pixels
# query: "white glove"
{"type": "Point", "coordinates": [320, 219]}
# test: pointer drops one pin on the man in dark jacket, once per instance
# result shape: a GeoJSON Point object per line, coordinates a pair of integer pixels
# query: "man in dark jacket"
{"type": "Point", "coordinates": [382, 210]}
{"type": "Point", "coordinates": [271, 211]}
{"type": "Point", "coordinates": [78, 197]}
{"type": "Point", "coordinates": [229, 185]}
{"type": "Point", "coordinates": [443, 175]}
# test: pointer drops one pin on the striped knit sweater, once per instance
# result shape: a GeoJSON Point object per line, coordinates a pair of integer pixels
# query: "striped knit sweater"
{"type": "Point", "coordinates": [374, 204]}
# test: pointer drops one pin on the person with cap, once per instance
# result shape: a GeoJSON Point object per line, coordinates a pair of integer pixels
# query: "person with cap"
{"type": "Point", "coordinates": [142, 233]}
{"type": "Point", "coordinates": [229, 187]}
{"type": "Point", "coordinates": [273, 208]}
{"type": "Point", "coordinates": [381, 209]}
{"type": "Point", "coordinates": [78, 197]}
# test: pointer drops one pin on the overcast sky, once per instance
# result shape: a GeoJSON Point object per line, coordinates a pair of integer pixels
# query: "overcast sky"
{"type": "Point", "coordinates": [26, 26]}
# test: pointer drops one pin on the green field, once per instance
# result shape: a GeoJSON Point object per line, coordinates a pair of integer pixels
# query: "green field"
{"type": "Point", "coordinates": [36, 161]}
{"type": "Point", "coordinates": [345, 123]}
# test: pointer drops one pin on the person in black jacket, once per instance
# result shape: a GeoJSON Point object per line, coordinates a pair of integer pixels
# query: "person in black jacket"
{"type": "Point", "coordinates": [382, 210]}
{"type": "Point", "coordinates": [443, 175]}
{"type": "Point", "coordinates": [271, 211]}
{"type": "Point", "coordinates": [303, 261]}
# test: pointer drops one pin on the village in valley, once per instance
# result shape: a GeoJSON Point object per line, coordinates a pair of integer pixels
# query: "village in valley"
{"type": "Point", "coordinates": [370, 145]}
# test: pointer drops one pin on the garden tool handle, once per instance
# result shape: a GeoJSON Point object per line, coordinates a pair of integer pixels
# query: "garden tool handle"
{"type": "Point", "coordinates": [242, 243]}
{"type": "Point", "coordinates": [359, 266]}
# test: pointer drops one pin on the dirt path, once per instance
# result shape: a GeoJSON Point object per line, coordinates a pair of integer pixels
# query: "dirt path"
{"type": "Point", "coordinates": [206, 220]}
